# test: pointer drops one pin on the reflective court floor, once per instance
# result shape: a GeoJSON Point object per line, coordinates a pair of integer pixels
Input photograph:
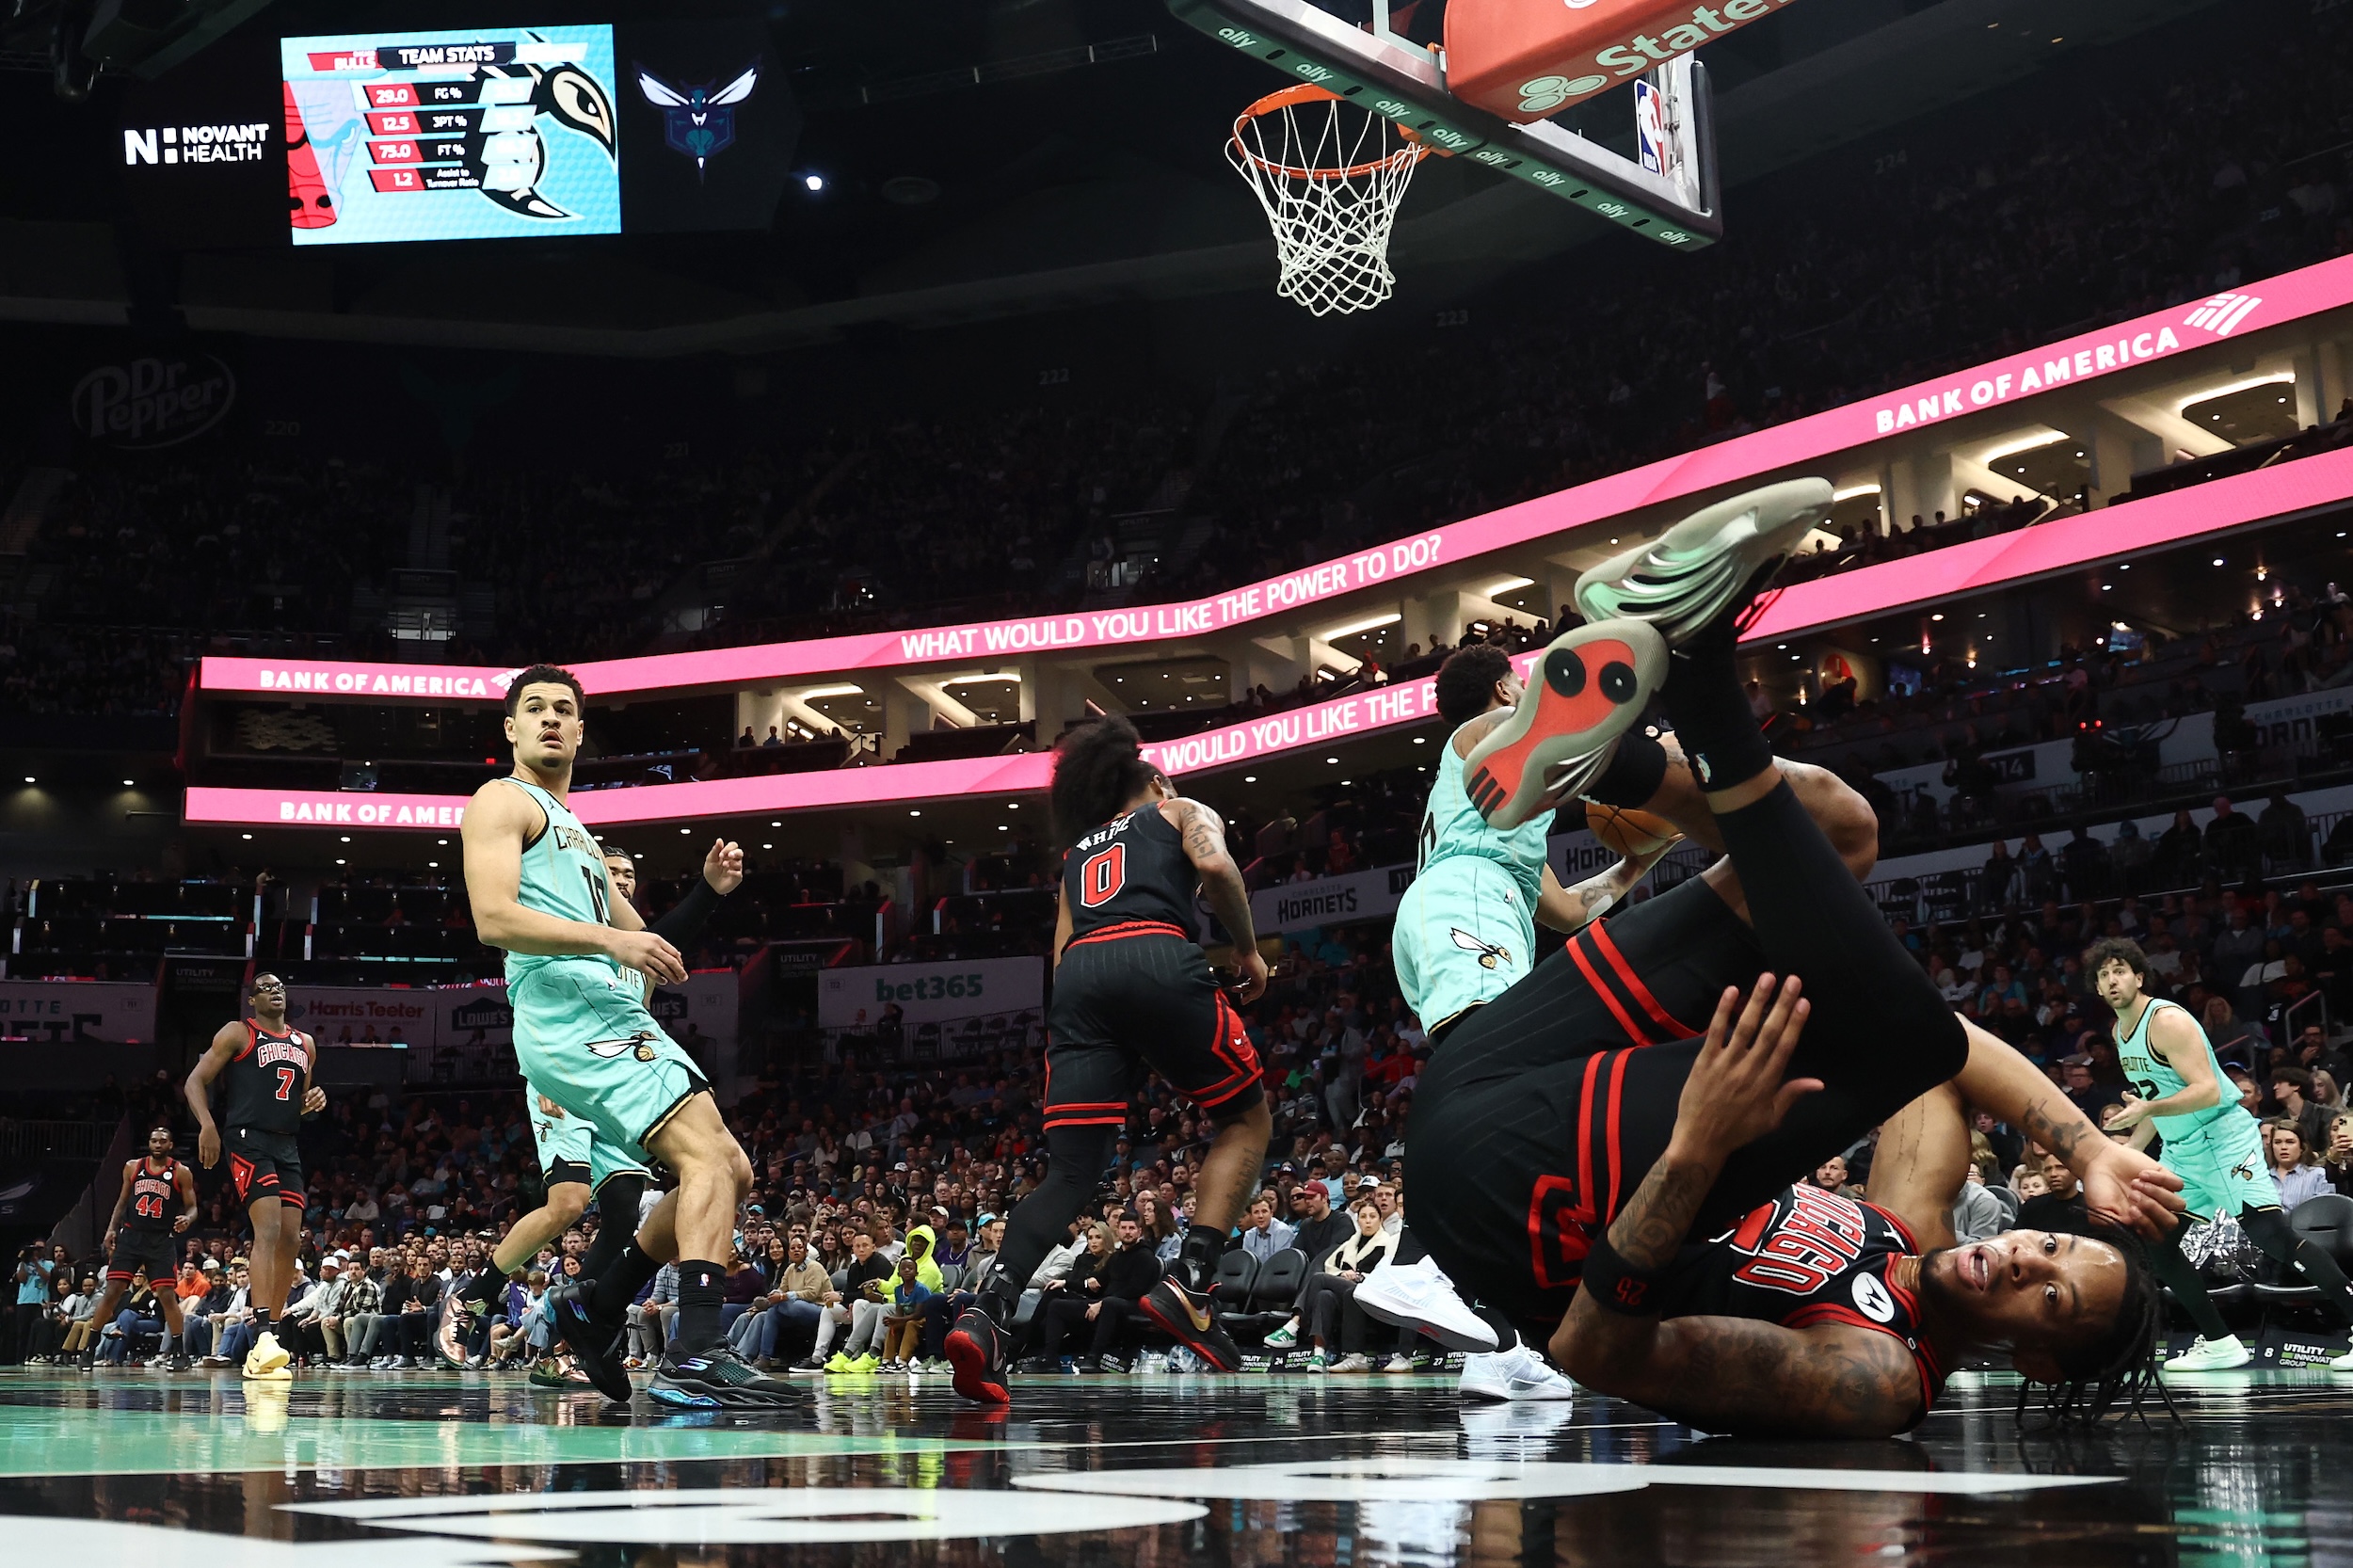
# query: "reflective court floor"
{"type": "Point", "coordinates": [446, 1470]}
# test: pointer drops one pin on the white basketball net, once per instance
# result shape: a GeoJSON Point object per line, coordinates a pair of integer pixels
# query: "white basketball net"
{"type": "Point", "coordinates": [1330, 176]}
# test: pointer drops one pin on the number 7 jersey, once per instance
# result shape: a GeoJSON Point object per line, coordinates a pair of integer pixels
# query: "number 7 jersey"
{"type": "Point", "coordinates": [562, 875]}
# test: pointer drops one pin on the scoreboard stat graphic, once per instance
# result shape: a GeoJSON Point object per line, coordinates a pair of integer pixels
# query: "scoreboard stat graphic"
{"type": "Point", "coordinates": [439, 136]}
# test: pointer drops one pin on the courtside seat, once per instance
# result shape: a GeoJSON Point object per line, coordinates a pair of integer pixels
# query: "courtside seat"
{"type": "Point", "coordinates": [2327, 1222]}
{"type": "Point", "coordinates": [1266, 1305]}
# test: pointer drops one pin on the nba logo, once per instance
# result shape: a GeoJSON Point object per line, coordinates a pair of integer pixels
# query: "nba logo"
{"type": "Point", "coordinates": [1650, 129]}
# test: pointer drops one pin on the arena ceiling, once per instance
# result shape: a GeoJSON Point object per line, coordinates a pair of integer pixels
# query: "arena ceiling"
{"type": "Point", "coordinates": [978, 161]}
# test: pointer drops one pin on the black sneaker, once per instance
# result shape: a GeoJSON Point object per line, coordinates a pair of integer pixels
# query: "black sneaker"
{"type": "Point", "coordinates": [1186, 1316]}
{"type": "Point", "coordinates": [454, 1327]}
{"type": "Point", "coordinates": [590, 1341]}
{"type": "Point", "coordinates": [718, 1379]}
{"type": "Point", "coordinates": [976, 1348]}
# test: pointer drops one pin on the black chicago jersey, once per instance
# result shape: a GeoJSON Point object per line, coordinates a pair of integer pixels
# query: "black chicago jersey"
{"type": "Point", "coordinates": [265, 1081]}
{"type": "Point", "coordinates": [154, 1197]}
{"type": "Point", "coordinates": [1132, 869]}
{"type": "Point", "coordinates": [1807, 1257]}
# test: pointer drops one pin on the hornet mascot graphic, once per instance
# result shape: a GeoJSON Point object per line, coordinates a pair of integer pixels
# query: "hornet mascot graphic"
{"type": "Point", "coordinates": [514, 162]}
{"type": "Point", "coordinates": [698, 120]}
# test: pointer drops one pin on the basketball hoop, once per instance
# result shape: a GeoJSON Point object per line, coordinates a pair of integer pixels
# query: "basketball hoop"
{"type": "Point", "coordinates": [1330, 176]}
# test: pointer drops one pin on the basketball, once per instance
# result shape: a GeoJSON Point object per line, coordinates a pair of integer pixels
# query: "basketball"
{"type": "Point", "coordinates": [1628, 831]}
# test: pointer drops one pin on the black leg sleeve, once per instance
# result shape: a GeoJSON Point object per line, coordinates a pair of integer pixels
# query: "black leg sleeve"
{"type": "Point", "coordinates": [2268, 1228]}
{"type": "Point", "coordinates": [1879, 1035]}
{"type": "Point", "coordinates": [2179, 1275]}
{"type": "Point", "coordinates": [1075, 1160]}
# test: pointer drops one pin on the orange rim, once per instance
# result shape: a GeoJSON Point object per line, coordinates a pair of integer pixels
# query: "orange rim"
{"type": "Point", "coordinates": [1307, 92]}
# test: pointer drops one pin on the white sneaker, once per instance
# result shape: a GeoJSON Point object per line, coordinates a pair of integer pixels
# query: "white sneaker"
{"type": "Point", "coordinates": [1518, 1373]}
{"type": "Point", "coordinates": [1399, 1363]}
{"type": "Point", "coordinates": [1419, 1296]}
{"type": "Point", "coordinates": [2342, 1363]}
{"type": "Point", "coordinates": [1352, 1364]}
{"type": "Point", "coordinates": [2214, 1355]}
{"type": "Point", "coordinates": [1692, 573]}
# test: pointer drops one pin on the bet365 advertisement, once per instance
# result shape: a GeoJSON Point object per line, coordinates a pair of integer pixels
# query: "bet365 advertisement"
{"type": "Point", "coordinates": [492, 133]}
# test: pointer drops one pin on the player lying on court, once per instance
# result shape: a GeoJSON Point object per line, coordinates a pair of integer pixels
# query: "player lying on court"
{"type": "Point", "coordinates": [1467, 930]}
{"type": "Point", "coordinates": [1545, 1111]}
{"type": "Point", "coordinates": [541, 892]}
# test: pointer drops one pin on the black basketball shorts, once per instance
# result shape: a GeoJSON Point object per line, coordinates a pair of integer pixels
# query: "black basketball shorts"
{"type": "Point", "coordinates": [152, 1250]}
{"type": "Point", "coordinates": [264, 1165]}
{"type": "Point", "coordinates": [1140, 997]}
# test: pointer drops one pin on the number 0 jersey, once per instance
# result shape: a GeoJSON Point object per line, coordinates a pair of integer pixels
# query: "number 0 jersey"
{"type": "Point", "coordinates": [1809, 1257]}
{"type": "Point", "coordinates": [1132, 869]}
{"type": "Point", "coordinates": [563, 875]}
{"type": "Point", "coordinates": [2154, 1078]}
{"type": "Point", "coordinates": [263, 1083]}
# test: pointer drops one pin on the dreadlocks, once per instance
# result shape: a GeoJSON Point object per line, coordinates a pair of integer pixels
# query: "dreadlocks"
{"type": "Point", "coordinates": [2121, 1361]}
{"type": "Point", "coordinates": [1098, 768]}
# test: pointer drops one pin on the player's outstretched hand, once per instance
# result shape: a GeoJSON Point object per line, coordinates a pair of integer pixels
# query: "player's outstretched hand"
{"type": "Point", "coordinates": [1252, 967]}
{"type": "Point", "coordinates": [651, 955]}
{"type": "Point", "coordinates": [723, 868]}
{"type": "Point", "coordinates": [2127, 1187]}
{"type": "Point", "coordinates": [1740, 1090]}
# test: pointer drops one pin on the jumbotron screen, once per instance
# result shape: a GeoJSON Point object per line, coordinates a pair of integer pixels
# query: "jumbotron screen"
{"type": "Point", "coordinates": [488, 132]}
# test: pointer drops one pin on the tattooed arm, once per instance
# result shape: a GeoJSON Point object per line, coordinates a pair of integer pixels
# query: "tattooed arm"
{"type": "Point", "coordinates": [1731, 1374]}
{"type": "Point", "coordinates": [1204, 832]}
{"type": "Point", "coordinates": [2120, 1184]}
{"type": "Point", "coordinates": [1571, 910]}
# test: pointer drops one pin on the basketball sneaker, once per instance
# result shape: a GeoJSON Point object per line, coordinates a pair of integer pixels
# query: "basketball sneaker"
{"type": "Point", "coordinates": [267, 1358]}
{"type": "Point", "coordinates": [1590, 687]}
{"type": "Point", "coordinates": [1701, 567]}
{"type": "Point", "coordinates": [590, 1340]}
{"type": "Point", "coordinates": [718, 1379]}
{"type": "Point", "coordinates": [1419, 1296]}
{"type": "Point", "coordinates": [2211, 1355]}
{"type": "Point", "coordinates": [1186, 1315]}
{"type": "Point", "coordinates": [1515, 1375]}
{"type": "Point", "coordinates": [976, 1348]}
{"type": "Point", "coordinates": [453, 1325]}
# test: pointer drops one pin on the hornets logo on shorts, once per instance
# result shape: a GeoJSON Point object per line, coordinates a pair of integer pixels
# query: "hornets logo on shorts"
{"type": "Point", "coordinates": [2245, 1170]}
{"type": "Point", "coordinates": [1490, 954]}
{"type": "Point", "coordinates": [640, 1045]}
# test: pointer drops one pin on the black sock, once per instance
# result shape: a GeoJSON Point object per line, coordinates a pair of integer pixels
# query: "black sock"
{"type": "Point", "coordinates": [1710, 714]}
{"type": "Point", "coordinates": [486, 1286]}
{"type": "Point", "coordinates": [618, 1286]}
{"type": "Point", "coordinates": [2268, 1228]}
{"type": "Point", "coordinates": [698, 1288]}
{"type": "Point", "coordinates": [1203, 1245]}
{"type": "Point", "coordinates": [1634, 773]}
{"type": "Point", "coordinates": [2179, 1275]}
{"type": "Point", "coordinates": [617, 1223]}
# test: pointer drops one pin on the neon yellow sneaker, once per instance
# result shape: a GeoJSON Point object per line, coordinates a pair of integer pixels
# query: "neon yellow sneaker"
{"type": "Point", "coordinates": [841, 1363]}
{"type": "Point", "coordinates": [267, 1358]}
{"type": "Point", "coordinates": [866, 1363]}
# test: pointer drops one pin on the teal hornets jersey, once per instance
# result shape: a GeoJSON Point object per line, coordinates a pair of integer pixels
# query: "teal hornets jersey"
{"type": "Point", "coordinates": [1449, 826]}
{"type": "Point", "coordinates": [562, 874]}
{"type": "Point", "coordinates": [2154, 1078]}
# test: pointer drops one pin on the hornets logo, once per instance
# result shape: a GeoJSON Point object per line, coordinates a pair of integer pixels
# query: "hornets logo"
{"type": "Point", "coordinates": [2243, 1170]}
{"type": "Point", "coordinates": [1490, 954]}
{"type": "Point", "coordinates": [698, 120]}
{"type": "Point", "coordinates": [639, 1046]}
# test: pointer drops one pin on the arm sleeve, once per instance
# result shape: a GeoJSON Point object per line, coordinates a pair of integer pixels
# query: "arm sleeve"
{"type": "Point", "coordinates": [686, 919]}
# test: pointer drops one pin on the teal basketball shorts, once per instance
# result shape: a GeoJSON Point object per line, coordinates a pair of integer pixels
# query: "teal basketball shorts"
{"type": "Point", "coordinates": [570, 1149]}
{"type": "Point", "coordinates": [1465, 932]}
{"type": "Point", "coordinates": [2222, 1166]}
{"type": "Point", "coordinates": [585, 1039]}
